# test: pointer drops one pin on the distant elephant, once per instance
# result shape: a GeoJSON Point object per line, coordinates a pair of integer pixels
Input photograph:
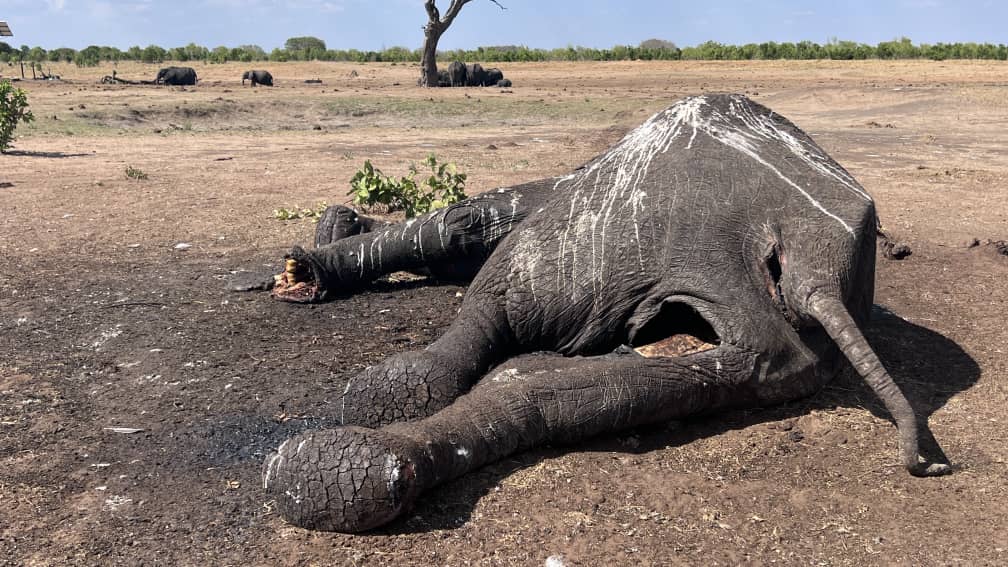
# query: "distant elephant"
{"type": "Point", "coordinates": [504, 83]}
{"type": "Point", "coordinates": [457, 74]}
{"type": "Point", "coordinates": [176, 76]}
{"type": "Point", "coordinates": [258, 78]}
{"type": "Point", "coordinates": [476, 75]}
{"type": "Point", "coordinates": [493, 76]}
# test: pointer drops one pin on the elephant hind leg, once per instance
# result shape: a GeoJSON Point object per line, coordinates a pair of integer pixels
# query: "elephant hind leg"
{"type": "Point", "coordinates": [354, 479]}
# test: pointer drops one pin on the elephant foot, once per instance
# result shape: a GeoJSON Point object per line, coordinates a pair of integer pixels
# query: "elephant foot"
{"type": "Point", "coordinates": [347, 479]}
{"type": "Point", "coordinates": [930, 469]}
{"type": "Point", "coordinates": [298, 283]}
{"type": "Point", "coordinates": [337, 222]}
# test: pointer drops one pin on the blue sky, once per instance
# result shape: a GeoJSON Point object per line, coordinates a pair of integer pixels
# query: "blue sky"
{"type": "Point", "coordinates": [376, 24]}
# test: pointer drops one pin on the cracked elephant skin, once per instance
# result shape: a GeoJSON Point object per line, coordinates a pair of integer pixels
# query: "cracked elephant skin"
{"type": "Point", "coordinates": [717, 219]}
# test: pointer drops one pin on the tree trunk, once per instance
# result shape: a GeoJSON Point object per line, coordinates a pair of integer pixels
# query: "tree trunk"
{"type": "Point", "coordinates": [436, 26]}
{"type": "Point", "coordinates": [428, 61]}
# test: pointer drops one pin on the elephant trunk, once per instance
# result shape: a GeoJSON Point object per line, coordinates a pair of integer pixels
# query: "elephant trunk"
{"type": "Point", "coordinates": [831, 313]}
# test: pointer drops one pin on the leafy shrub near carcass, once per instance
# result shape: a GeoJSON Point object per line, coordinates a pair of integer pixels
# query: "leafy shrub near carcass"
{"type": "Point", "coordinates": [444, 186]}
{"type": "Point", "coordinates": [13, 110]}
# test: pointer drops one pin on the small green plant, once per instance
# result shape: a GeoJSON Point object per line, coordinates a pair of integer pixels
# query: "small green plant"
{"type": "Point", "coordinates": [135, 173]}
{"type": "Point", "coordinates": [297, 212]}
{"type": "Point", "coordinates": [444, 186]}
{"type": "Point", "coordinates": [13, 109]}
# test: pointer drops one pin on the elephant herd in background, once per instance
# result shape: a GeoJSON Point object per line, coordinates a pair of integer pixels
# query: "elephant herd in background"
{"type": "Point", "coordinates": [181, 76]}
{"type": "Point", "coordinates": [460, 74]}
{"type": "Point", "coordinates": [457, 74]}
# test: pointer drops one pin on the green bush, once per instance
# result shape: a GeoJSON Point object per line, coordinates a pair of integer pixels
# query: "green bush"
{"type": "Point", "coordinates": [13, 109]}
{"type": "Point", "coordinates": [135, 173]}
{"type": "Point", "coordinates": [444, 186]}
{"type": "Point", "coordinates": [314, 213]}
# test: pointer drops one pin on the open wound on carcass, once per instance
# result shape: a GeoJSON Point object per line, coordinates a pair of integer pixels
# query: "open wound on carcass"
{"type": "Point", "coordinates": [296, 284]}
{"type": "Point", "coordinates": [678, 330]}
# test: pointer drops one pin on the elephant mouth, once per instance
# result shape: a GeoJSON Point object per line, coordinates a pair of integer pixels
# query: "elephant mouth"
{"type": "Point", "coordinates": [677, 330]}
{"type": "Point", "coordinates": [298, 283]}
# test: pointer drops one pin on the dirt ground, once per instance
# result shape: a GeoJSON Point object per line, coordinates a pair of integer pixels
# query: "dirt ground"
{"type": "Point", "coordinates": [107, 323]}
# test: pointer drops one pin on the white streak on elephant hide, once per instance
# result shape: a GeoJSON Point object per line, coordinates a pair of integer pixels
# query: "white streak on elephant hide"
{"type": "Point", "coordinates": [607, 192]}
{"type": "Point", "coordinates": [607, 196]}
{"type": "Point", "coordinates": [525, 260]}
{"type": "Point", "coordinates": [746, 139]}
{"type": "Point", "coordinates": [376, 244]}
{"type": "Point", "coordinates": [360, 259]}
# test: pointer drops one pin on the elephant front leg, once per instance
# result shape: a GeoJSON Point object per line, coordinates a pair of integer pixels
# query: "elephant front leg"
{"type": "Point", "coordinates": [417, 384]}
{"type": "Point", "coordinates": [464, 233]}
{"type": "Point", "coordinates": [352, 479]}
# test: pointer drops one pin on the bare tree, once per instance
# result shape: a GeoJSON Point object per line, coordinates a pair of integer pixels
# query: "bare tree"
{"type": "Point", "coordinates": [436, 26]}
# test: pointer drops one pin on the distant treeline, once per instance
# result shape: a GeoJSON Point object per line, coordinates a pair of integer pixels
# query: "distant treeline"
{"type": "Point", "coordinates": [312, 48]}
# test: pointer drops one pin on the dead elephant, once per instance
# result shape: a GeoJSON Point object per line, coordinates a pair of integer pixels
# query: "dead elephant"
{"type": "Point", "coordinates": [714, 258]}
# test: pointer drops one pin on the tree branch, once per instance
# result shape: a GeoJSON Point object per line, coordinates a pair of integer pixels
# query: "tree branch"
{"type": "Point", "coordinates": [453, 10]}
{"type": "Point", "coordinates": [432, 11]}
{"type": "Point", "coordinates": [498, 4]}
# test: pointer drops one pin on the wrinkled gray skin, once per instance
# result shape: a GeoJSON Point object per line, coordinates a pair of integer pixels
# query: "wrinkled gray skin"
{"type": "Point", "coordinates": [176, 76]}
{"type": "Point", "coordinates": [452, 244]}
{"type": "Point", "coordinates": [258, 78]}
{"type": "Point", "coordinates": [493, 76]}
{"type": "Point", "coordinates": [475, 75]}
{"type": "Point", "coordinates": [716, 218]}
{"type": "Point", "coordinates": [472, 75]}
{"type": "Point", "coordinates": [457, 74]}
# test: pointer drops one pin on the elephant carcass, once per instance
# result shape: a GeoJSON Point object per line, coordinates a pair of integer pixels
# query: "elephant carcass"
{"type": "Point", "coordinates": [176, 76]}
{"type": "Point", "coordinates": [258, 78]}
{"type": "Point", "coordinates": [714, 258]}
